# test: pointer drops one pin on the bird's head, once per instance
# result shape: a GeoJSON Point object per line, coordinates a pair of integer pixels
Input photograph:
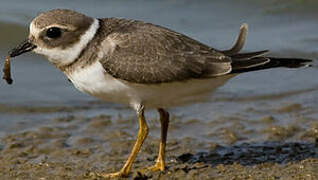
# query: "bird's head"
{"type": "Point", "coordinates": [59, 34]}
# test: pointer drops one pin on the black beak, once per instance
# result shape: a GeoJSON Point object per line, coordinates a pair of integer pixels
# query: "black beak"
{"type": "Point", "coordinates": [24, 47]}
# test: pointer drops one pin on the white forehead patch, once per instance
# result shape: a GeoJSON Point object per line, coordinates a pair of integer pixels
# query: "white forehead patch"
{"type": "Point", "coordinates": [65, 56]}
{"type": "Point", "coordinates": [33, 30]}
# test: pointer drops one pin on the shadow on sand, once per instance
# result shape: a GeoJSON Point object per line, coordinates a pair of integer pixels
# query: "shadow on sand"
{"type": "Point", "coordinates": [248, 154]}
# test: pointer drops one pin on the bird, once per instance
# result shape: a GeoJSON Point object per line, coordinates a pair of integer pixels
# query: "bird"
{"type": "Point", "coordinates": [139, 64]}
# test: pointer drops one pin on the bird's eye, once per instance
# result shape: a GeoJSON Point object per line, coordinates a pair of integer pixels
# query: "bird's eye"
{"type": "Point", "coordinates": [54, 32]}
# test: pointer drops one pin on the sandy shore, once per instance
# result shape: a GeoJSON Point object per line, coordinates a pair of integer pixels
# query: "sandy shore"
{"type": "Point", "coordinates": [72, 147]}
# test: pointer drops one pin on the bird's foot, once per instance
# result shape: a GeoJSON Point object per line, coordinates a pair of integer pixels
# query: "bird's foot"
{"type": "Point", "coordinates": [112, 175]}
{"type": "Point", "coordinates": [159, 166]}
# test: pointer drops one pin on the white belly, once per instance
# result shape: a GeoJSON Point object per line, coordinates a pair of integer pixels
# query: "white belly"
{"type": "Point", "coordinates": [95, 81]}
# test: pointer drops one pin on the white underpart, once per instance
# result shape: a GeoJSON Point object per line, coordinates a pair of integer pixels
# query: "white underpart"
{"type": "Point", "coordinates": [60, 56]}
{"type": "Point", "coordinates": [95, 81]}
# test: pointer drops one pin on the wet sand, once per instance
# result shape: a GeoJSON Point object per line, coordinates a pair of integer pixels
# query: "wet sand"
{"type": "Point", "coordinates": [75, 147]}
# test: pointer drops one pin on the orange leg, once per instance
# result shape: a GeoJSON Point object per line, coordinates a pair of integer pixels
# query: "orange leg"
{"type": "Point", "coordinates": [160, 162]}
{"type": "Point", "coordinates": [142, 134]}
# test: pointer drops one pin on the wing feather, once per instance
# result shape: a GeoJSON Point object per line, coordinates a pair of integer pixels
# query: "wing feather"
{"type": "Point", "coordinates": [146, 53]}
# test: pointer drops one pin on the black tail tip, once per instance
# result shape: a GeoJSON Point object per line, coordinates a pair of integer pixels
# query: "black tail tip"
{"type": "Point", "coordinates": [292, 62]}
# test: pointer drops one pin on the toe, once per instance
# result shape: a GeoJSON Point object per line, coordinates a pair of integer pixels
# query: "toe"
{"type": "Point", "coordinates": [112, 175]}
{"type": "Point", "coordinates": [156, 167]}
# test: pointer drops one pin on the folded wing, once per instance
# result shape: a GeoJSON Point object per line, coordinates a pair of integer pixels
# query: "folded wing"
{"type": "Point", "coordinates": [147, 53]}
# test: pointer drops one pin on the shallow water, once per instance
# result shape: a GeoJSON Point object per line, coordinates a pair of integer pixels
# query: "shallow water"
{"type": "Point", "coordinates": [286, 29]}
{"type": "Point", "coordinates": [277, 104]}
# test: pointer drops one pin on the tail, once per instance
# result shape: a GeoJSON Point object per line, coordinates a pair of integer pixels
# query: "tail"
{"type": "Point", "coordinates": [245, 62]}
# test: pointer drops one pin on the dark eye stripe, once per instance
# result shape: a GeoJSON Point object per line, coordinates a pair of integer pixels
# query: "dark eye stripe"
{"type": "Point", "coordinates": [54, 32]}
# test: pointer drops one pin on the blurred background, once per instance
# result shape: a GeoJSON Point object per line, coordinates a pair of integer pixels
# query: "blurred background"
{"type": "Point", "coordinates": [40, 92]}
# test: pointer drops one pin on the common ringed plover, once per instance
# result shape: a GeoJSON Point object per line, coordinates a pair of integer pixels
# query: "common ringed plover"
{"type": "Point", "coordinates": [139, 64]}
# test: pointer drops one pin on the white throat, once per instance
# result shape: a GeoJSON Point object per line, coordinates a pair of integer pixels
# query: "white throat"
{"type": "Point", "coordinates": [66, 56]}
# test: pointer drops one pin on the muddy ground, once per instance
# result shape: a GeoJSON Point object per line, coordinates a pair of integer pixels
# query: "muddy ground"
{"type": "Point", "coordinates": [74, 147]}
